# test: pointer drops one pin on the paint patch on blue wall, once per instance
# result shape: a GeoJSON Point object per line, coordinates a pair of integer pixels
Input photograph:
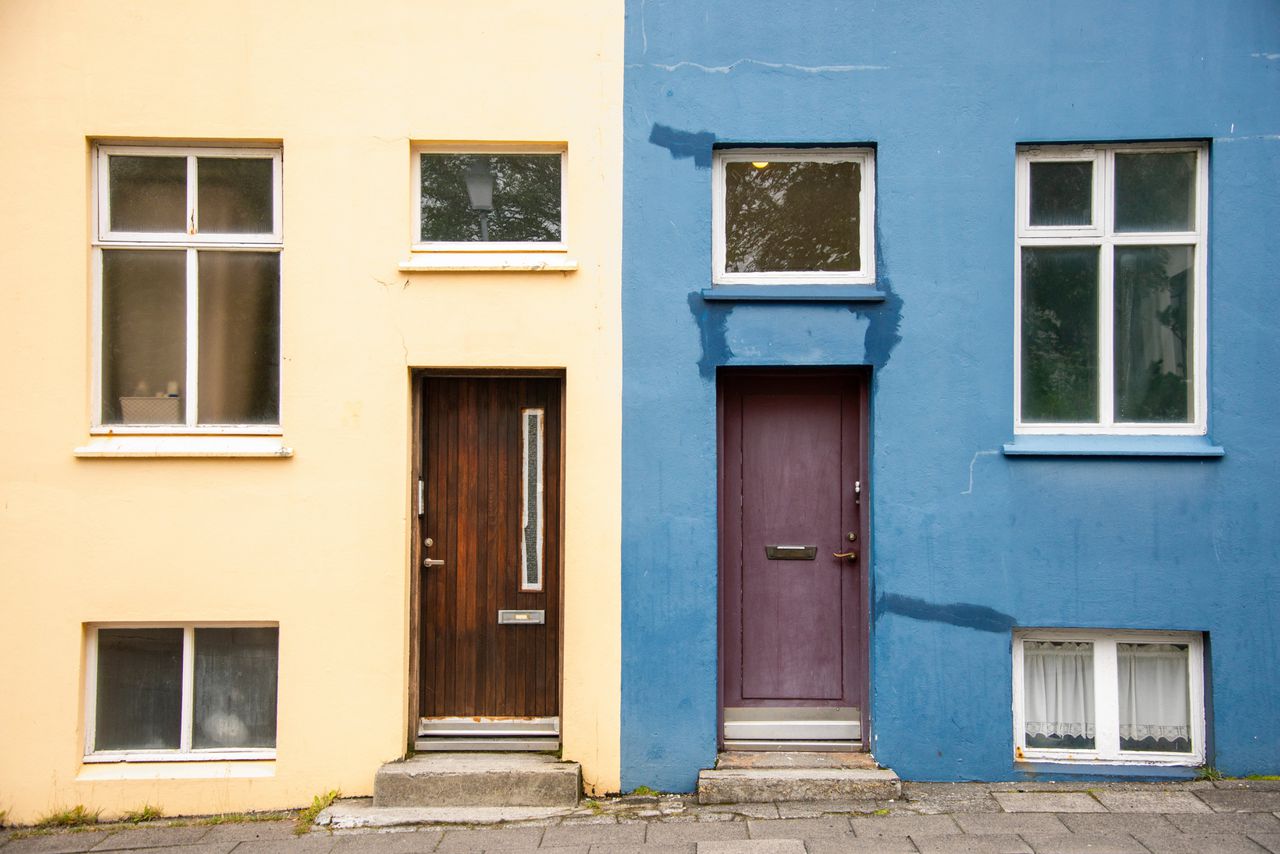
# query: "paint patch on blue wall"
{"type": "Point", "coordinates": [684, 144]}
{"type": "Point", "coordinates": [963, 614]}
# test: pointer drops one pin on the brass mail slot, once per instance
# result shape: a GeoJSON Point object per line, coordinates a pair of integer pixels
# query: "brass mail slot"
{"type": "Point", "coordinates": [791, 552]}
{"type": "Point", "coordinates": [517, 617]}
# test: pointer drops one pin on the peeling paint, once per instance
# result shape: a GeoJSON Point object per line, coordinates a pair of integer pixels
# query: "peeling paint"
{"type": "Point", "coordinates": [966, 615]}
{"type": "Point", "coordinates": [683, 143]}
{"type": "Point", "coordinates": [782, 66]}
{"type": "Point", "coordinates": [712, 321]}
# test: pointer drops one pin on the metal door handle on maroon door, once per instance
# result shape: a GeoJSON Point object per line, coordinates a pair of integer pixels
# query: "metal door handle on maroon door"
{"type": "Point", "coordinates": [849, 555]}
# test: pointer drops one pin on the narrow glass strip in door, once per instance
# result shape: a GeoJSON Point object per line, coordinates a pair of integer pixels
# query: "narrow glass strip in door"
{"type": "Point", "coordinates": [531, 505]}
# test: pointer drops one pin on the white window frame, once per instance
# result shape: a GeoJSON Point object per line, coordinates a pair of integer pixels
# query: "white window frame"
{"type": "Point", "coordinates": [1106, 694]}
{"type": "Point", "coordinates": [190, 241]}
{"type": "Point", "coordinates": [185, 752]}
{"type": "Point", "coordinates": [1101, 233]}
{"type": "Point", "coordinates": [417, 244]}
{"type": "Point", "coordinates": [866, 160]}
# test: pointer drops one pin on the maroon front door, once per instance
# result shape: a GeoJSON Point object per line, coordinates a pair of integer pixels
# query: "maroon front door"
{"type": "Point", "coordinates": [791, 539]}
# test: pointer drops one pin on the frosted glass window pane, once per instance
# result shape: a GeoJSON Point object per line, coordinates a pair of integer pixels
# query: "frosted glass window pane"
{"type": "Point", "coordinates": [1156, 192]}
{"type": "Point", "coordinates": [148, 193]}
{"type": "Point", "coordinates": [235, 688]}
{"type": "Point", "coordinates": [139, 692]}
{"type": "Point", "coordinates": [531, 534]}
{"type": "Point", "coordinates": [235, 195]}
{"type": "Point", "coordinates": [1153, 315]}
{"type": "Point", "coordinates": [1155, 698]}
{"type": "Point", "coordinates": [1059, 334]}
{"type": "Point", "coordinates": [239, 361]}
{"type": "Point", "coordinates": [790, 216]}
{"type": "Point", "coordinates": [1062, 193]}
{"type": "Point", "coordinates": [144, 357]}
{"type": "Point", "coordinates": [491, 197]}
{"type": "Point", "coordinates": [1058, 705]}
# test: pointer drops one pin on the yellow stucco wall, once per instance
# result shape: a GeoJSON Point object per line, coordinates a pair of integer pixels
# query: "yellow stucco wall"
{"type": "Point", "coordinates": [318, 542]}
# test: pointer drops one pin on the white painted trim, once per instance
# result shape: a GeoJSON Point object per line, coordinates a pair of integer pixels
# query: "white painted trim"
{"type": "Point", "coordinates": [481, 262]}
{"type": "Point", "coordinates": [185, 752]}
{"type": "Point", "coordinates": [184, 446]}
{"type": "Point", "coordinates": [1107, 239]}
{"type": "Point", "coordinates": [194, 768]}
{"type": "Point", "coordinates": [1106, 697]}
{"type": "Point", "coordinates": [417, 244]}
{"type": "Point", "coordinates": [863, 156]}
{"type": "Point", "coordinates": [537, 414]}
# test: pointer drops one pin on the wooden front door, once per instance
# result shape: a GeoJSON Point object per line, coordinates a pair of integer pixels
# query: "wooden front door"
{"type": "Point", "coordinates": [791, 609]}
{"type": "Point", "coordinates": [490, 609]}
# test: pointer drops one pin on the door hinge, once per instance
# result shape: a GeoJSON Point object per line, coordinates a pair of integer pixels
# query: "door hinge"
{"type": "Point", "coordinates": [422, 497]}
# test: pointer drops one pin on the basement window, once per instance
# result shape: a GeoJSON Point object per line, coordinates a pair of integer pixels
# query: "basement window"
{"type": "Point", "coordinates": [174, 692]}
{"type": "Point", "coordinates": [1113, 697]}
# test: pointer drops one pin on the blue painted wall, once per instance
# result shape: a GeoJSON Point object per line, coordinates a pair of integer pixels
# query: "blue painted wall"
{"type": "Point", "coordinates": [966, 542]}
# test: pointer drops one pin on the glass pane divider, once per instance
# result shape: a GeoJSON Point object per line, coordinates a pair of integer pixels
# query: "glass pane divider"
{"type": "Point", "coordinates": [188, 685]}
{"type": "Point", "coordinates": [1106, 336]}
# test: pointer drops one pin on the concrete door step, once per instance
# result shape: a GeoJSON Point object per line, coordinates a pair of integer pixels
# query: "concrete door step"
{"type": "Point", "coordinates": [478, 780]}
{"type": "Point", "coordinates": [781, 776]}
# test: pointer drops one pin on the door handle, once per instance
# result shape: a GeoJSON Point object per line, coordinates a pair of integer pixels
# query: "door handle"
{"type": "Point", "coordinates": [849, 555]}
{"type": "Point", "coordinates": [432, 562]}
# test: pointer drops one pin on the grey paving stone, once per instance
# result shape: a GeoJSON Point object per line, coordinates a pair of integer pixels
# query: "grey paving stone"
{"type": "Point", "coordinates": [406, 842]}
{"type": "Point", "coordinates": [1004, 823]}
{"type": "Point", "coordinates": [605, 818]}
{"type": "Point", "coordinates": [1103, 823]}
{"type": "Point", "coordinates": [198, 848]}
{"type": "Point", "coordinates": [1151, 802]}
{"type": "Point", "coordinates": [1241, 800]}
{"type": "Point", "coordinates": [1048, 802]}
{"type": "Point", "coordinates": [56, 843]}
{"type": "Point", "coordinates": [1197, 843]}
{"type": "Point", "coordinates": [749, 810]}
{"type": "Point", "coordinates": [1269, 841]}
{"type": "Point", "coordinates": [850, 844]}
{"type": "Point", "coordinates": [753, 846]}
{"type": "Point", "coordinates": [701, 831]}
{"type": "Point", "coordinates": [681, 848]}
{"type": "Point", "coordinates": [152, 837]}
{"type": "Point", "coordinates": [1226, 823]}
{"type": "Point", "coordinates": [1256, 785]}
{"type": "Point", "coordinates": [818, 809]}
{"type": "Point", "coordinates": [316, 843]}
{"type": "Point", "coordinates": [935, 798]}
{"type": "Point", "coordinates": [797, 828]}
{"type": "Point", "coordinates": [496, 839]}
{"type": "Point", "coordinates": [904, 825]}
{"type": "Point", "coordinates": [247, 831]}
{"type": "Point", "coordinates": [971, 844]}
{"type": "Point", "coordinates": [589, 834]}
{"type": "Point", "coordinates": [1084, 843]}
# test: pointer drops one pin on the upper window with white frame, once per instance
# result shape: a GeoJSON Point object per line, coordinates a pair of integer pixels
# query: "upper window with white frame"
{"type": "Point", "coordinates": [1110, 293]}
{"type": "Point", "coordinates": [489, 198]}
{"type": "Point", "coordinates": [1083, 695]}
{"type": "Point", "coordinates": [793, 216]}
{"type": "Point", "coordinates": [187, 286]}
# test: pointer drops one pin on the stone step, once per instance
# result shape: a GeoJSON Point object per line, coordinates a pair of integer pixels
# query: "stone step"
{"type": "Point", "coordinates": [478, 780]}
{"type": "Point", "coordinates": [744, 778]}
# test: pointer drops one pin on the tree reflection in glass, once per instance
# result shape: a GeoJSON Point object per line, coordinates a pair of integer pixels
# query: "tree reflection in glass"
{"type": "Point", "coordinates": [1060, 334]}
{"type": "Point", "coordinates": [1152, 333]}
{"type": "Point", "coordinates": [792, 216]}
{"type": "Point", "coordinates": [526, 198]}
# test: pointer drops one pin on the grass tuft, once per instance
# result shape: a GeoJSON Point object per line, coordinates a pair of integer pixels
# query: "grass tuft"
{"type": "Point", "coordinates": [76, 816]}
{"type": "Point", "coordinates": [1208, 772]}
{"type": "Point", "coordinates": [646, 791]}
{"type": "Point", "coordinates": [146, 812]}
{"type": "Point", "coordinates": [319, 803]}
{"type": "Point", "coordinates": [243, 817]}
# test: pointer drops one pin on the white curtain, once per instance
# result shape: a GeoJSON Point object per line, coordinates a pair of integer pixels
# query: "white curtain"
{"type": "Point", "coordinates": [1154, 699]}
{"type": "Point", "coordinates": [1058, 689]}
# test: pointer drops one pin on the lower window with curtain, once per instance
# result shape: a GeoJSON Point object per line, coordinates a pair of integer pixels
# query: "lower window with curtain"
{"type": "Point", "coordinates": [1114, 697]}
{"type": "Point", "coordinates": [180, 692]}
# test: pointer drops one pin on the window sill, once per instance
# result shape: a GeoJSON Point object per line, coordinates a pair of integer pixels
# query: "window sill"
{"type": "Point", "coordinates": [793, 293]}
{"type": "Point", "coordinates": [1182, 769]}
{"type": "Point", "coordinates": [487, 262]}
{"type": "Point", "coordinates": [241, 755]}
{"type": "Point", "coordinates": [1113, 446]}
{"type": "Point", "coordinates": [199, 769]}
{"type": "Point", "coordinates": [184, 446]}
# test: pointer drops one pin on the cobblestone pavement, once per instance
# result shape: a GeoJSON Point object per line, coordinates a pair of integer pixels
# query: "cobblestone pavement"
{"type": "Point", "coordinates": [1221, 817]}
